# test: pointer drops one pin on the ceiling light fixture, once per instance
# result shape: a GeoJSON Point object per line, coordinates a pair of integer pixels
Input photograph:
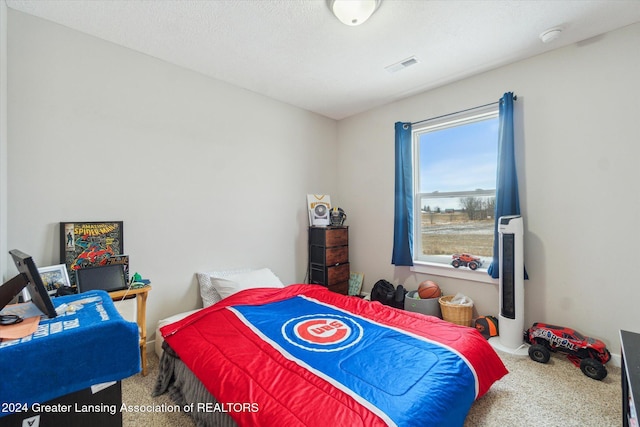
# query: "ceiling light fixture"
{"type": "Point", "coordinates": [353, 12]}
{"type": "Point", "coordinates": [550, 35]}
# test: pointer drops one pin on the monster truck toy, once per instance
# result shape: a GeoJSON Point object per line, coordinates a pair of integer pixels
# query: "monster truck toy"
{"type": "Point", "coordinates": [466, 260]}
{"type": "Point", "coordinates": [588, 353]}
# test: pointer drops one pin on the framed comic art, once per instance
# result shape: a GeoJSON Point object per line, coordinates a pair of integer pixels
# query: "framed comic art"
{"type": "Point", "coordinates": [84, 244]}
{"type": "Point", "coordinates": [54, 277]}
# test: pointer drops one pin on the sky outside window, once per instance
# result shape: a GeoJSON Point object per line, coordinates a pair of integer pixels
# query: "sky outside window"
{"type": "Point", "coordinates": [460, 158]}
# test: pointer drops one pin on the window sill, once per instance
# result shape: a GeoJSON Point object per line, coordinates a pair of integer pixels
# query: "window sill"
{"type": "Point", "coordinates": [479, 275]}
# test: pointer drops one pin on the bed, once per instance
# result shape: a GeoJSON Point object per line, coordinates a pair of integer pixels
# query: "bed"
{"type": "Point", "coordinates": [302, 355]}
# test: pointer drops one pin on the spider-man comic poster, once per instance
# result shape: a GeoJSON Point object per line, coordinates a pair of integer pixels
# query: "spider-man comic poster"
{"type": "Point", "coordinates": [84, 244]}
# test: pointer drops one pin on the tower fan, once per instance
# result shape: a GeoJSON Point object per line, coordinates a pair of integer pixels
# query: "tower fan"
{"type": "Point", "coordinates": [511, 286]}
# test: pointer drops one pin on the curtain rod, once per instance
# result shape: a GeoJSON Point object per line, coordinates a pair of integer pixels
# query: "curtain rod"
{"type": "Point", "coordinates": [515, 97]}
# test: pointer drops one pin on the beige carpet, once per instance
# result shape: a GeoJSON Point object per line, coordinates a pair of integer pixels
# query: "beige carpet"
{"type": "Point", "coordinates": [556, 394]}
{"type": "Point", "coordinates": [150, 411]}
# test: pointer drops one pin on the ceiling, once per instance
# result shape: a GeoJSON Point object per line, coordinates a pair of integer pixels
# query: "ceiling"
{"type": "Point", "coordinates": [297, 52]}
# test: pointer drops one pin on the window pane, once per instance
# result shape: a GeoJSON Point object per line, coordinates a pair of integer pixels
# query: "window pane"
{"type": "Point", "coordinates": [455, 186]}
{"type": "Point", "coordinates": [460, 158]}
{"type": "Point", "coordinates": [446, 231]}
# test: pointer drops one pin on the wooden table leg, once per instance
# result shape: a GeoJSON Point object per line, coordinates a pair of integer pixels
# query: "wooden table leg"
{"type": "Point", "coordinates": [141, 300]}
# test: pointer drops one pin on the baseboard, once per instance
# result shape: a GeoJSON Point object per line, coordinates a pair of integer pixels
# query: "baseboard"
{"type": "Point", "coordinates": [616, 360]}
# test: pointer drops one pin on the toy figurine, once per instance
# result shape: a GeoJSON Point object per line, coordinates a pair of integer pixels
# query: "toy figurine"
{"type": "Point", "coordinates": [466, 260]}
{"type": "Point", "coordinates": [337, 216]}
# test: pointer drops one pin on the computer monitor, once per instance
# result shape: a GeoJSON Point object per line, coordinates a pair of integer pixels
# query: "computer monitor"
{"type": "Point", "coordinates": [30, 278]}
{"type": "Point", "coordinates": [108, 278]}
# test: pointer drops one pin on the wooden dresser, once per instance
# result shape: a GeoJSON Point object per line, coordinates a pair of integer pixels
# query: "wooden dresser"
{"type": "Point", "coordinates": [329, 258]}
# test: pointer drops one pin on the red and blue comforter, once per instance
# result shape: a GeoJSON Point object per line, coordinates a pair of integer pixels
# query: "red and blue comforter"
{"type": "Point", "coordinates": [302, 355]}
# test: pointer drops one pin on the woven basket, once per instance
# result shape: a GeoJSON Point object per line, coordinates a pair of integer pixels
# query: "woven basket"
{"type": "Point", "coordinates": [455, 313]}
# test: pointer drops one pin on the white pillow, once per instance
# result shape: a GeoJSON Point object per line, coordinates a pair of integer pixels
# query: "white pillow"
{"type": "Point", "coordinates": [207, 291]}
{"type": "Point", "coordinates": [262, 278]}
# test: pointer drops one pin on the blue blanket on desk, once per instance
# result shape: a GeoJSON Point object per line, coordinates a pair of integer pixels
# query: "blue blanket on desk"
{"type": "Point", "coordinates": [89, 344]}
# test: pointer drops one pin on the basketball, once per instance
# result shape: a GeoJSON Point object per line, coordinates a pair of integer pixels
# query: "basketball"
{"type": "Point", "coordinates": [429, 289]}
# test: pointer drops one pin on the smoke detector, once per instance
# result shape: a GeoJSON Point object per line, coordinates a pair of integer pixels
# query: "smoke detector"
{"type": "Point", "coordinates": [550, 35]}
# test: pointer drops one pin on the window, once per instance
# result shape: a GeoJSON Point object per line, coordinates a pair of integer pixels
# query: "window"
{"type": "Point", "coordinates": [455, 161]}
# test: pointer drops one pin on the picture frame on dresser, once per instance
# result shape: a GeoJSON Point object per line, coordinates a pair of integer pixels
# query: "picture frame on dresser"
{"type": "Point", "coordinates": [89, 243]}
{"type": "Point", "coordinates": [54, 277]}
{"type": "Point", "coordinates": [319, 206]}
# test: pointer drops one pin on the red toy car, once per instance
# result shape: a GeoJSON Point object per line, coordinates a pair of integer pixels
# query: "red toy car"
{"type": "Point", "coordinates": [466, 260]}
{"type": "Point", "coordinates": [588, 353]}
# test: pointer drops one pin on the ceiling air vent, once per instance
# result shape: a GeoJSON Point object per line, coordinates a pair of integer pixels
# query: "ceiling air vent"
{"type": "Point", "coordinates": [412, 60]}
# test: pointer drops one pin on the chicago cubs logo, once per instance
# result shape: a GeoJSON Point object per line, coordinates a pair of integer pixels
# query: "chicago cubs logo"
{"type": "Point", "coordinates": [322, 332]}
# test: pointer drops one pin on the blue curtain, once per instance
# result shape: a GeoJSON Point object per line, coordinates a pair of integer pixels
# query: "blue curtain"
{"type": "Point", "coordinates": [507, 199]}
{"type": "Point", "coordinates": [403, 213]}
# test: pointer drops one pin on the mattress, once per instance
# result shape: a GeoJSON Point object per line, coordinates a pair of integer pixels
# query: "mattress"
{"type": "Point", "coordinates": [305, 356]}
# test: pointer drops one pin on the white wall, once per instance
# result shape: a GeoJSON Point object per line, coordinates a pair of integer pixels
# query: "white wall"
{"type": "Point", "coordinates": [578, 147]}
{"type": "Point", "coordinates": [206, 175]}
{"type": "Point", "coordinates": [203, 174]}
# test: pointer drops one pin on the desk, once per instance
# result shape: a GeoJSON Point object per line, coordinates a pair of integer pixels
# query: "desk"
{"type": "Point", "coordinates": [141, 316]}
{"type": "Point", "coordinates": [86, 345]}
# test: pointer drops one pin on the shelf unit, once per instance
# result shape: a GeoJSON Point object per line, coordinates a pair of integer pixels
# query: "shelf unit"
{"type": "Point", "coordinates": [329, 258]}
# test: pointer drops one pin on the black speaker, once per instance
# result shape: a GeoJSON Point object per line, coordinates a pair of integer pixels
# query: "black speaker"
{"type": "Point", "coordinates": [508, 279]}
